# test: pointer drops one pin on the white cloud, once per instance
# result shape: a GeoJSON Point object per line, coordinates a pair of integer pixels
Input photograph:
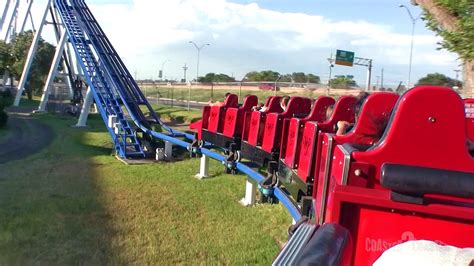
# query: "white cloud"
{"type": "Point", "coordinates": [247, 37]}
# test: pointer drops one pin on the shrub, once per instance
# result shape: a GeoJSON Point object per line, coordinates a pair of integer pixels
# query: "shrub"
{"type": "Point", "coordinates": [6, 98]}
{"type": "Point", "coordinates": [3, 118]}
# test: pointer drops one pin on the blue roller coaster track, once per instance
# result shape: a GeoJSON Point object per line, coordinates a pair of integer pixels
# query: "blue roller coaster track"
{"type": "Point", "coordinates": [118, 95]}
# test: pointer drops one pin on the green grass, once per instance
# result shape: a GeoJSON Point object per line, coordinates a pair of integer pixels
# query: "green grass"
{"type": "Point", "coordinates": [74, 203]}
{"type": "Point", "coordinates": [177, 114]}
{"type": "Point", "coordinates": [33, 103]}
{"type": "Point", "coordinates": [4, 133]}
{"type": "Point", "coordinates": [204, 95]}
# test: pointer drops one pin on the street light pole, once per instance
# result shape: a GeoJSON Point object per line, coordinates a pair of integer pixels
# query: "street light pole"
{"type": "Point", "coordinates": [240, 87]}
{"type": "Point", "coordinates": [276, 85]}
{"type": "Point", "coordinates": [162, 66]}
{"type": "Point", "coordinates": [198, 48]}
{"type": "Point", "coordinates": [413, 21]}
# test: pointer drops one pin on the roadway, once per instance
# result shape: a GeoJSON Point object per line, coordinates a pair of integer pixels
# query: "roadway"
{"type": "Point", "coordinates": [175, 103]}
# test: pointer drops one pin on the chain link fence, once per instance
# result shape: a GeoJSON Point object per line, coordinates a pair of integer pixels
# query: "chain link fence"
{"type": "Point", "coordinates": [198, 94]}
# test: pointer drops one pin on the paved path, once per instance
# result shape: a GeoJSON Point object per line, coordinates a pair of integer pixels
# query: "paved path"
{"type": "Point", "coordinates": [27, 136]}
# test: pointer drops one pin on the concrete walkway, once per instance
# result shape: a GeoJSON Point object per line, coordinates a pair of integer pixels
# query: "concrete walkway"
{"type": "Point", "coordinates": [26, 137]}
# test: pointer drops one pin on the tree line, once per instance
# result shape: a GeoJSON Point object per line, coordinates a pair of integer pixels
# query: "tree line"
{"type": "Point", "coordinates": [261, 76]}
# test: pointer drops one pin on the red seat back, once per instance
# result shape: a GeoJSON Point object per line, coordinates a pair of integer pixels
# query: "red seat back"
{"type": "Point", "coordinates": [288, 149]}
{"type": "Point", "coordinates": [234, 117]}
{"type": "Point", "coordinates": [217, 113]}
{"type": "Point", "coordinates": [343, 111]}
{"type": "Point", "coordinates": [318, 111]}
{"type": "Point", "coordinates": [427, 129]}
{"type": "Point", "coordinates": [257, 121]}
{"type": "Point", "coordinates": [372, 119]}
{"type": "Point", "coordinates": [274, 125]}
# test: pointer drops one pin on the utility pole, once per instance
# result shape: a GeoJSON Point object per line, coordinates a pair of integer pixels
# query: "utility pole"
{"type": "Point", "coordinates": [331, 65]}
{"type": "Point", "coordinates": [369, 74]}
{"type": "Point", "coordinates": [381, 79]}
{"type": "Point", "coordinates": [456, 87]}
{"type": "Point", "coordinates": [185, 68]}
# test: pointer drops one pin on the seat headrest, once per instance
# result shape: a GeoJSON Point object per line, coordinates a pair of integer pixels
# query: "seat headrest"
{"type": "Point", "coordinates": [274, 105]}
{"type": "Point", "coordinates": [231, 100]}
{"type": "Point", "coordinates": [427, 128]}
{"type": "Point", "coordinates": [343, 111]}
{"type": "Point", "coordinates": [318, 112]}
{"type": "Point", "coordinates": [249, 102]}
{"type": "Point", "coordinates": [298, 105]}
{"type": "Point", "coordinates": [373, 117]}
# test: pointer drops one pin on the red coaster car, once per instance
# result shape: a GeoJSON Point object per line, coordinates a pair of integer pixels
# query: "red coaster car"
{"type": "Point", "coordinates": [415, 183]}
{"type": "Point", "coordinates": [265, 130]}
{"type": "Point", "coordinates": [369, 127]}
{"type": "Point", "coordinates": [213, 118]}
{"type": "Point", "coordinates": [298, 181]}
{"type": "Point", "coordinates": [289, 150]}
{"type": "Point", "coordinates": [229, 129]}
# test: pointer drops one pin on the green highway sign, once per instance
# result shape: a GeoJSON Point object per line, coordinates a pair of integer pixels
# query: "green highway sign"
{"type": "Point", "coordinates": [344, 58]}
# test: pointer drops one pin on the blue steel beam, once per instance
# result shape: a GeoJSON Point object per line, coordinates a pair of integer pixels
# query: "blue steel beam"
{"type": "Point", "coordinates": [107, 102]}
{"type": "Point", "coordinates": [131, 93]}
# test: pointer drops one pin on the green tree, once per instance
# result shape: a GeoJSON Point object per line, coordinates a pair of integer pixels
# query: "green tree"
{"type": "Point", "coordinates": [299, 77]}
{"type": "Point", "coordinates": [313, 78]}
{"type": "Point", "coordinates": [286, 78]}
{"type": "Point", "coordinates": [342, 82]}
{"type": "Point", "coordinates": [438, 79]}
{"type": "Point", "coordinates": [19, 48]}
{"type": "Point", "coordinates": [6, 58]}
{"type": "Point", "coordinates": [251, 76]}
{"type": "Point", "coordinates": [453, 20]}
{"type": "Point", "coordinates": [212, 77]}
{"type": "Point", "coordinates": [267, 75]}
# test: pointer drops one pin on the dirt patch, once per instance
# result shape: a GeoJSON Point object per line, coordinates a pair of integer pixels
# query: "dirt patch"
{"type": "Point", "coordinates": [27, 136]}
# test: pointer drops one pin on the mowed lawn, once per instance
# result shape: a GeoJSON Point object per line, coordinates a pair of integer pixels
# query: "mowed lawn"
{"type": "Point", "coordinates": [74, 203]}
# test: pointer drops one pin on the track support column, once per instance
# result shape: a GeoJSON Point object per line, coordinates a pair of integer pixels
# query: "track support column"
{"type": "Point", "coordinates": [86, 107]}
{"type": "Point", "coordinates": [203, 168]}
{"type": "Point", "coordinates": [52, 72]}
{"type": "Point", "coordinates": [29, 58]}
{"type": "Point", "coordinates": [168, 150]}
{"type": "Point", "coordinates": [250, 193]}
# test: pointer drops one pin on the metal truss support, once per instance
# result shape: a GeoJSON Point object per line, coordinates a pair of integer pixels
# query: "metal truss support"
{"type": "Point", "coordinates": [67, 58]}
{"type": "Point", "coordinates": [29, 59]}
{"type": "Point", "coordinates": [368, 63]}
{"type": "Point", "coordinates": [4, 15]}
{"type": "Point", "coordinates": [168, 150]}
{"type": "Point", "coordinates": [203, 168]}
{"type": "Point", "coordinates": [86, 107]}
{"type": "Point", "coordinates": [52, 72]}
{"type": "Point", "coordinates": [250, 193]}
{"type": "Point", "coordinates": [12, 19]}
{"type": "Point", "coordinates": [27, 14]}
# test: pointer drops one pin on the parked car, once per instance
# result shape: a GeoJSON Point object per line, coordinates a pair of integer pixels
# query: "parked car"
{"type": "Point", "coordinates": [268, 87]}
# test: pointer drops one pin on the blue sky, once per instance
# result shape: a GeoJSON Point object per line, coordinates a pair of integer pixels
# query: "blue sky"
{"type": "Point", "coordinates": [282, 35]}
